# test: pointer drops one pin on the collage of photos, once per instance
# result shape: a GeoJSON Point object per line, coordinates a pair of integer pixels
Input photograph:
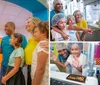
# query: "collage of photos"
{"type": "Point", "coordinates": [49, 42]}
{"type": "Point", "coordinates": [74, 42]}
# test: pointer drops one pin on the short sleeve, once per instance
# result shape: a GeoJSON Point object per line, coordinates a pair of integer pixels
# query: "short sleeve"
{"type": "Point", "coordinates": [19, 53]}
{"type": "Point", "coordinates": [39, 49]}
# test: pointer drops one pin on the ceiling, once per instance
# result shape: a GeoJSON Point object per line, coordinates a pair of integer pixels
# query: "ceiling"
{"type": "Point", "coordinates": [19, 10]}
{"type": "Point", "coordinates": [12, 12]}
{"type": "Point", "coordinates": [31, 5]}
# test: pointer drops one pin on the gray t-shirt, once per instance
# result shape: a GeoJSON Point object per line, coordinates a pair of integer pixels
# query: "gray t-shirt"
{"type": "Point", "coordinates": [19, 52]}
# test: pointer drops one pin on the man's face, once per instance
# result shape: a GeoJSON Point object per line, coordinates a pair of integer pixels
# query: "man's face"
{"type": "Point", "coordinates": [59, 7]}
{"type": "Point", "coordinates": [63, 52]}
{"type": "Point", "coordinates": [9, 29]}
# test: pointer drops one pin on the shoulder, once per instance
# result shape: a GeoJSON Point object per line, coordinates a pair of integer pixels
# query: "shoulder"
{"type": "Point", "coordinates": [20, 49]}
{"type": "Point", "coordinates": [52, 11]}
{"type": "Point", "coordinates": [5, 37]}
{"type": "Point", "coordinates": [23, 36]}
{"type": "Point", "coordinates": [40, 48]}
{"type": "Point", "coordinates": [83, 20]}
{"type": "Point", "coordinates": [83, 56]}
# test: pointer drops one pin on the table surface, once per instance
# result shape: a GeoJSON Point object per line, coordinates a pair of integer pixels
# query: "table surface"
{"type": "Point", "coordinates": [62, 77]}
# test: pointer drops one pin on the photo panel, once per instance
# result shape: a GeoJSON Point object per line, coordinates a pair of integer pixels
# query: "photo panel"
{"type": "Point", "coordinates": [73, 63]}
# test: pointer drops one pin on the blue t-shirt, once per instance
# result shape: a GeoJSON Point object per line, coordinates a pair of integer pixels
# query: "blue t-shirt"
{"type": "Point", "coordinates": [52, 13]}
{"type": "Point", "coordinates": [7, 48]}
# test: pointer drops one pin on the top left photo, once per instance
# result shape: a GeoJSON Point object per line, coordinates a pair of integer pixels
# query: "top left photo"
{"type": "Point", "coordinates": [24, 42]}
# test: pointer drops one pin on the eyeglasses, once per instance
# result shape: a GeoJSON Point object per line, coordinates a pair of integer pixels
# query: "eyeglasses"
{"type": "Point", "coordinates": [78, 15]}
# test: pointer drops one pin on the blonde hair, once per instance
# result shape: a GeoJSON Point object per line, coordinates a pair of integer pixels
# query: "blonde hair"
{"type": "Point", "coordinates": [35, 20]}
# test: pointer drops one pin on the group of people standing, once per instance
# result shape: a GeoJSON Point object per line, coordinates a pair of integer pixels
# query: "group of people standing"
{"type": "Point", "coordinates": [17, 53]}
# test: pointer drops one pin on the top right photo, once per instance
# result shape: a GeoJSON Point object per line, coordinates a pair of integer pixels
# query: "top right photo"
{"type": "Point", "coordinates": [74, 20]}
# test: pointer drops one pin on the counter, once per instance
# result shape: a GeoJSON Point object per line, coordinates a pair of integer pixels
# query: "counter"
{"type": "Point", "coordinates": [60, 79]}
{"type": "Point", "coordinates": [95, 36]}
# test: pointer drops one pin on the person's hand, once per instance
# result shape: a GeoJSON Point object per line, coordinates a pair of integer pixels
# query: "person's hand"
{"type": "Point", "coordinates": [65, 36]}
{"type": "Point", "coordinates": [3, 80]}
{"type": "Point", "coordinates": [90, 31]}
{"type": "Point", "coordinates": [75, 62]}
{"type": "Point", "coordinates": [54, 57]}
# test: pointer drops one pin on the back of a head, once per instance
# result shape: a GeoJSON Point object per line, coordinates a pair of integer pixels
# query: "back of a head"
{"type": "Point", "coordinates": [19, 37]}
{"type": "Point", "coordinates": [44, 27]}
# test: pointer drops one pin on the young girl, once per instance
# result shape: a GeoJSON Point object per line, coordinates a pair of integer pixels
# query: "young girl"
{"type": "Point", "coordinates": [76, 60]}
{"type": "Point", "coordinates": [14, 75]}
{"type": "Point", "coordinates": [40, 62]}
{"type": "Point", "coordinates": [60, 22]}
{"type": "Point", "coordinates": [71, 22]}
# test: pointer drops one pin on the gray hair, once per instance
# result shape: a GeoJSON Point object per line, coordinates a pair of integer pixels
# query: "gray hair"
{"type": "Point", "coordinates": [75, 12]}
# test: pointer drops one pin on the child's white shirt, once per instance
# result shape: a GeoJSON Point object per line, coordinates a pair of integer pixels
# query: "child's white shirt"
{"type": "Point", "coordinates": [58, 37]}
{"type": "Point", "coordinates": [82, 61]}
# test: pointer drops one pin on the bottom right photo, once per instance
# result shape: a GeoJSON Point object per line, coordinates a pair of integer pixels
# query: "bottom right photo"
{"type": "Point", "coordinates": [74, 63]}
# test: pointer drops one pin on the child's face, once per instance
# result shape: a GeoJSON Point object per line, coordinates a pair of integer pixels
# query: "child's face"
{"type": "Point", "coordinates": [29, 25]}
{"type": "Point", "coordinates": [70, 21]}
{"type": "Point", "coordinates": [13, 40]}
{"type": "Point", "coordinates": [62, 23]}
{"type": "Point", "coordinates": [75, 51]}
{"type": "Point", "coordinates": [37, 34]}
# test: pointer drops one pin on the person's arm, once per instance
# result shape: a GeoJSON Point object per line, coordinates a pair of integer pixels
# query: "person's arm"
{"type": "Point", "coordinates": [78, 37]}
{"type": "Point", "coordinates": [56, 61]}
{"type": "Point", "coordinates": [61, 64]}
{"type": "Point", "coordinates": [79, 68]}
{"type": "Point", "coordinates": [77, 28]}
{"type": "Point", "coordinates": [13, 71]}
{"type": "Point", "coordinates": [61, 32]}
{"type": "Point", "coordinates": [82, 37]}
{"type": "Point", "coordinates": [41, 63]}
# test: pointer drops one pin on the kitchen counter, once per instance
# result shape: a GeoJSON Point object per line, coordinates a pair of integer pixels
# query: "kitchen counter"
{"type": "Point", "coordinates": [61, 77]}
{"type": "Point", "coordinates": [94, 26]}
{"type": "Point", "coordinates": [95, 36]}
